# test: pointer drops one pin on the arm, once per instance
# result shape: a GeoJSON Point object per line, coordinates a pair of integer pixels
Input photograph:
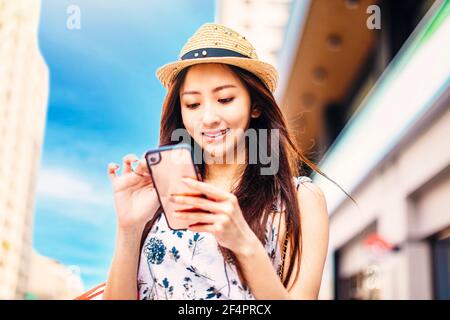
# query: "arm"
{"type": "Point", "coordinates": [315, 233]}
{"type": "Point", "coordinates": [122, 279]}
{"type": "Point", "coordinates": [258, 269]}
{"type": "Point", "coordinates": [136, 202]}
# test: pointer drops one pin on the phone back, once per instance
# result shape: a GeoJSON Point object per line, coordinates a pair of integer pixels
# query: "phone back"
{"type": "Point", "coordinates": [167, 166]}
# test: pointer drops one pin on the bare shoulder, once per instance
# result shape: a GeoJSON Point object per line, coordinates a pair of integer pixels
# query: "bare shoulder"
{"type": "Point", "coordinates": [309, 188]}
{"type": "Point", "coordinates": [314, 222]}
{"type": "Point", "coordinates": [312, 205]}
{"type": "Point", "coordinates": [313, 208]}
{"type": "Point", "coordinates": [310, 192]}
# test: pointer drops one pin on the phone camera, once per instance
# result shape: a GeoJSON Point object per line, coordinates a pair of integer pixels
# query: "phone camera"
{"type": "Point", "coordinates": [154, 158]}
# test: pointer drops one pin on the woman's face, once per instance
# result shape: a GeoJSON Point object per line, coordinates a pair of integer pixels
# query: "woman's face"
{"type": "Point", "coordinates": [215, 107]}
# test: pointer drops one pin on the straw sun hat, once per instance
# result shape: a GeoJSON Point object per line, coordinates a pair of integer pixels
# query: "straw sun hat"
{"type": "Point", "coordinates": [214, 42]}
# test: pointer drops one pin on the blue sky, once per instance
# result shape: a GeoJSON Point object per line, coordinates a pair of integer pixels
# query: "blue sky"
{"type": "Point", "coordinates": [104, 102]}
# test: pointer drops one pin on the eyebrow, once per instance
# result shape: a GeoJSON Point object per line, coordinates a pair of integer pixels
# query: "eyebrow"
{"type": "Point", "coordinates": [213, 90]}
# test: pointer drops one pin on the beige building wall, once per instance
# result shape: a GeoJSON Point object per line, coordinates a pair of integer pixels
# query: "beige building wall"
{"type": "Point", "coordinates": [24, 83]}
{"type": "Point", "coordinates": [262, 22]}
{"type": "Point", "coordinates": [407, 198]}
{"type": "Point", "coordinates": [51, 280]}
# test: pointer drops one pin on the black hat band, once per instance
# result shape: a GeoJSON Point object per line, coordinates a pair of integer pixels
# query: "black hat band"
{"type": "Point", "coordinates": [212, 52]}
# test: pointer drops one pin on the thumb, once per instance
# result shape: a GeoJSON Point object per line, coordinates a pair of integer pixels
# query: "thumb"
{"type": "Point", "coordinates": [142, 168]}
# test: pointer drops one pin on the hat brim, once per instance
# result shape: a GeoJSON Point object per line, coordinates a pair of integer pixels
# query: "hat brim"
{"type": "Point", "coordinates": [265, 71]}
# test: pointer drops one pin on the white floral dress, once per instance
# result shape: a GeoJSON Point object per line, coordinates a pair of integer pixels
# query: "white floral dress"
{"type": "Point", "coordinates": [187, 265]}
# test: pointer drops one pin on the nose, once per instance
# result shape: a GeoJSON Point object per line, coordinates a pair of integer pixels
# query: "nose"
{"type": "Point", "coordinates": [210, 117]}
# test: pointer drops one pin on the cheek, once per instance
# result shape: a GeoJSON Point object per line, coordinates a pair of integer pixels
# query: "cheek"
{"type": "Point", "coordinates": [238, 117]}
{"type": "Point", "coordinates": [189, 121]}
{"type": "Point", "coordinates": [239, 120]}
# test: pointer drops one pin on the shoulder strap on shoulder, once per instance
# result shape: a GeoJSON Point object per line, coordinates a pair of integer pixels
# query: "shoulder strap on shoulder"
{"type": "Point", "coordinates": [298, 181]}
{"type": "Point", "coordinates": [301, 179]}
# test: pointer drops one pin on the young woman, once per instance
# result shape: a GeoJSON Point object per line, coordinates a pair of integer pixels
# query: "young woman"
{"type": "Point", "coordinates": [267, 236]}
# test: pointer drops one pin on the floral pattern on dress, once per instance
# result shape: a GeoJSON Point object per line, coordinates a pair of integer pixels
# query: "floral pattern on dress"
{"type": "Point", "coordinates": [155, 250]}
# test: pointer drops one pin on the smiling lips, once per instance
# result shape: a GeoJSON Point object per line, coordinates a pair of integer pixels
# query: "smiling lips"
{"type": "Point", "coordinates": [213, 136]}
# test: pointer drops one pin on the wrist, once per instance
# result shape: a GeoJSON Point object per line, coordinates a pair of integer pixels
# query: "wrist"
{"type": "Point", "coordinates": [130, 230]}
{"type": "Point", "coordinates": [249, 247]}
{"type": "Point", "coordinates": [129, 235]}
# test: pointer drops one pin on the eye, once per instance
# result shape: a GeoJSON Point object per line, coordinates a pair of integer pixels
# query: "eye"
{"type": "Point", "coordinates": [227, 100]}
{"type": "Point", "coordinates": [192, 105]}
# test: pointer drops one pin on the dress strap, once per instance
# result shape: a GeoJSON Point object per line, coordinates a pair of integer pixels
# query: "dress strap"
{"type": "Point", "coordinates": [297, 181]}
{"type": "Point", "coordinates": [301, 179]}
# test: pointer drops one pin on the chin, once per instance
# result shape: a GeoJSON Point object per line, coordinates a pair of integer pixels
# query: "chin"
{"type": "Point", "coordinates": [219, 151]}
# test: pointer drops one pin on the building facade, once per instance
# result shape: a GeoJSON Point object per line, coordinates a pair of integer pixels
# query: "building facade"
{"type": "Point", "coordinates": [376, 104]}
{"type": "Point", "coordinates": [263, 22]}
{"type": "Point", "coordinates": [24, 85]}
{"type": "Point", "coordinates": [51, 280]}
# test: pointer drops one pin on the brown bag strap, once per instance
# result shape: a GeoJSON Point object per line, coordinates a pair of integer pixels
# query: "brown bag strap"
{"type": "Point", "coordinates": [283, 255]}
{"type": "Point", "coordinates": [299, 180]}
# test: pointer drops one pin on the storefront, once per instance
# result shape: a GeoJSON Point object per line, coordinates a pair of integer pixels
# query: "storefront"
{"type": "Point", "coordinates": [399, 174]}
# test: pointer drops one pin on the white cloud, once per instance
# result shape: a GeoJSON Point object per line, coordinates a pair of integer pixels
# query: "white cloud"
{"type": "Point", "coordinates": [63, 184]}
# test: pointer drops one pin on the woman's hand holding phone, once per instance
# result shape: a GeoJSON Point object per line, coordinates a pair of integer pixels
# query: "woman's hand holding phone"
{"type": "Point", "coordinates": [167, 165]}
{"type": "Point", "coordinates": [135, 197]}
{"type": "Point", "coordinates": [219, 213]}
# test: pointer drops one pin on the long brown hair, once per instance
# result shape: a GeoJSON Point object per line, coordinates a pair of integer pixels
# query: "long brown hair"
{"type": "Point", "coordinates": [256, 193]}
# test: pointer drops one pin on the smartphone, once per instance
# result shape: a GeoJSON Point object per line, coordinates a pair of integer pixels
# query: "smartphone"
{"type": "Point", "coordinates": [167, 165]}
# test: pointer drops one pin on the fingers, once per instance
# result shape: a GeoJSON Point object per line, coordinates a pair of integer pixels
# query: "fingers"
{"type": "Point", "coordinates": [210, 228]}
{"type": "Point", "coordinates": [209, 190]}
{"type": "Point", "coordinates": [197, 202]}
{"type": "Point", "coordinates": [127, 161]}
{"type": "Point", "coordinates": [193, 217]}
{"type": "Point", "coordinates": [142, 168]}
{"type": "Point", "coordinates": [112, 167]}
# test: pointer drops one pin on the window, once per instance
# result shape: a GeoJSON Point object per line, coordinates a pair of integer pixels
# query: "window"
{"type": "Point", "coordinates": [441, 265]}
